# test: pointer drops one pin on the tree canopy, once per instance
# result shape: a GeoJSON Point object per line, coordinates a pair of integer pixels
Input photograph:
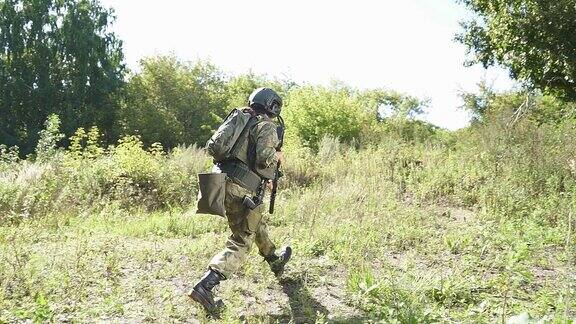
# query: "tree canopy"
{"type": "Point", "coordinates": [534, 39]}
{"type": "Point", "coordinates": [57, 56]}
{"type": "Point", "coordinates": [174, 102]}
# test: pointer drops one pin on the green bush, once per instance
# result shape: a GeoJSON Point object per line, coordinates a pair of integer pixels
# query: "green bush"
{"type": "Point", "coordinates": [49, 138]}
{"type": "Point", "coordinates": [240, 87]}
{"type": "Point", "coordinates": [173, 102]}
{"type": "Point", "coordinates": [314, 112]}
{"type": "Point", "coordinates": [87, 177]}
{"type": "Point", "coordinates": [357, 117]}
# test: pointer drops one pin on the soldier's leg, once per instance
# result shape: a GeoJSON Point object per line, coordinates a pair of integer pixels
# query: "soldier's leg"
{"type": "Point", "coordinates": [244, 224]}
{"type": "Point", "coordinates": [267, 249]}
{"type": "Point", "coordinates": [231, 258]}
{"type": "Point", "coordinates": [263, 242]}
{"type": "Point", "coordinates": [234, 254]}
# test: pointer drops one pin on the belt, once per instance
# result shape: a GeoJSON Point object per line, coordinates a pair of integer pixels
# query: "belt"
{"type": "Point", "coordinates": [241, 175]}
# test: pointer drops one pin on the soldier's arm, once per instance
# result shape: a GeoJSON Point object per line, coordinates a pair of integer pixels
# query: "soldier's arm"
{"type": "Point", "coordinates": [266, 143]}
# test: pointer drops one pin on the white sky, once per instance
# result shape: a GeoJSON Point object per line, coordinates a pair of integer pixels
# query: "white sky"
{"type": "Point", "coordinates": [405, 45]}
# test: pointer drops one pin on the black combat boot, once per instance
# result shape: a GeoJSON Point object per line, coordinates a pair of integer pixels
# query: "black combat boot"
{"type": "Point", "coordinates": [202, 291]}
{"type": "Point", "coordinates": [278, 261]}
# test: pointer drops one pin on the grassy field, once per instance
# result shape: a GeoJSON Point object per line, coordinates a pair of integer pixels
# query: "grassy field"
{"type": "Point", "coordinates": [398, 232]}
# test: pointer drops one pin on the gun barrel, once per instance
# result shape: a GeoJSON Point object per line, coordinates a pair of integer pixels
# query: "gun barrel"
{"type": "Point", "coordinates": [274, 189]}
{"type": "Point", "coordinates": [272, 201]}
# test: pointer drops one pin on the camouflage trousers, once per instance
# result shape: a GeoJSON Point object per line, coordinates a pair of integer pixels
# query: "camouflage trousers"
{"type": "Point", "coordinates": [247, 226]}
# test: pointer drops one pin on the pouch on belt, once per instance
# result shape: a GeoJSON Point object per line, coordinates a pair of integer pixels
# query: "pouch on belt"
{"type": "Point", "coordinates": [212, 194]}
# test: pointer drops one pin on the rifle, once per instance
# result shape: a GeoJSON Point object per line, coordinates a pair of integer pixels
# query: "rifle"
{"type": "Point", "coordinates": [277, 173]}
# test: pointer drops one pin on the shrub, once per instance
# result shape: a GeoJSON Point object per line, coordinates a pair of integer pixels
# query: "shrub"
{"type": "Point", "coordinates": [174, 102]}
{"type": "Point", "coordinates": [88, 177]}
{"type": "Point", "coordinates": [358, 117]}
{"type": "Point", "coordinates": [314, 112]}
{"type": "Point", "coordinates": [49, 138]}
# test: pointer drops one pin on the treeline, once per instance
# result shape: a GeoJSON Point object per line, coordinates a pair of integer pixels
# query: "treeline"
{"type": "Point", "coordinates": [174, 102]}
{"type": "Point", "coordinates": [60, 58]}
{"type": "Point", "coordinates": [181, 103]}
{"type": "Point", "coordinates": [57, 57]}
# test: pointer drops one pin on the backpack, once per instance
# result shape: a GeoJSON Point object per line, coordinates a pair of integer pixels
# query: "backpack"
{"type": "Point", "coordinates": [222, 146]}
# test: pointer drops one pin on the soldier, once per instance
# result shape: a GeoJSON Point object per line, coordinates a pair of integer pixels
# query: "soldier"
{"type": "Point", "coordinates": [246, 174]}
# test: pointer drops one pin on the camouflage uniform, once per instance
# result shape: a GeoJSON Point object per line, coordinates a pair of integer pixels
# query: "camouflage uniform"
{"type": "Point", "coordinates": [252, 159]}
{"type": "Point", "coordinates": [248, 226]}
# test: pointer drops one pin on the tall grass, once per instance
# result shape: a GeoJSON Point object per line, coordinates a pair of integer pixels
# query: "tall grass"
{"type": "Point", "coordinates": [87, 178]}
{"type": "Point", "coordinates": [470, 226]}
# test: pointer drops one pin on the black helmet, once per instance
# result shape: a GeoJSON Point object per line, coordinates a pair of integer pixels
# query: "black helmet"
{"type": "Point", "coordinates": [266, 99]}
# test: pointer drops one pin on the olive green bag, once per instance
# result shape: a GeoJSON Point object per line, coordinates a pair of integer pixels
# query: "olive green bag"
{"type": "Point", "coordinates": [212, 194]}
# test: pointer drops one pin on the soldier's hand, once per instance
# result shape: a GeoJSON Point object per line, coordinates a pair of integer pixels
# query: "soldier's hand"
{"type": "Point", "coordinates": [269, 184]}
{"type": "Point", "coordinates": [280, 157]}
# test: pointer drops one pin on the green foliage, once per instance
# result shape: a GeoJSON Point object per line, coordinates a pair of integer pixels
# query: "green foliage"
{"type": "Point", "coordinates": [404, 130]}
{"type": "Point", "coordinates": [240, 87]}
{"type": "Point", "coordinates": [174, 102]}
{"type": "Point", "coordinates": [58, 57]}
{"type": "Point", "coordinates": [392, 104]}
{"type": "Point", "coordinates": [534, 39]}
{"type": "Point", "coordinates": [42, 313]}
{"type": "Point", "coordinates": [88, 177]}
{"type": "Point", "coordinates": [86, 145]}
{"type": "Point", "coordinates": [134, 162]}
{"type": "Point", "coordinates": [353, 116]}
{"type": "Point", "coordinates": [385, 300]}
{"type": "Point", "coordinates": [551, 109]}
{"type": "Point", "coordinates": [181, 103]}
{"type": "Point", "coordinates": [488, 106]}
{"type": "Point", "coordinates": [314, 112]}
{"type": "Point", "coordinates": [476, 104]}
{"type": "Point", "coordinates": [49, 138]}
{"type": "Point", "coordinates": [398, 220]}
{"type": "Point", "coordinates": [9, 155]}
